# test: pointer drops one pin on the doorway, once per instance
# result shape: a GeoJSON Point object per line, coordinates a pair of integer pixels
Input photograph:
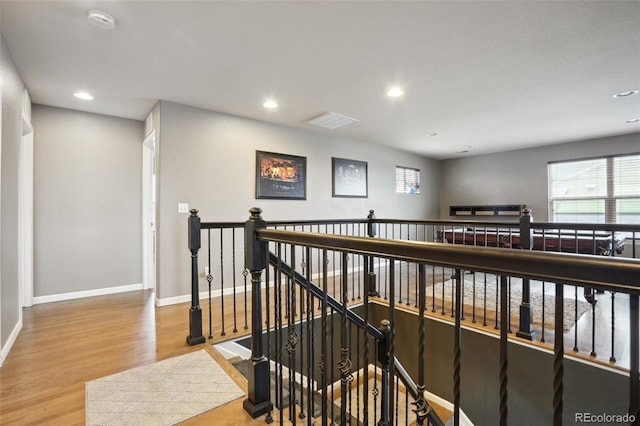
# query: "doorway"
{"type": "Point", "coordinates": [25, 215]}
{"type": "Point", "coordinates": [149, 212]}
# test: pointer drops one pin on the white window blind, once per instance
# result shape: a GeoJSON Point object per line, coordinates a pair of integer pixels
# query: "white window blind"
{"type": "Point", "coordinates": [596, 190]}
{"type": "Point", "coordinates": [407, 180]}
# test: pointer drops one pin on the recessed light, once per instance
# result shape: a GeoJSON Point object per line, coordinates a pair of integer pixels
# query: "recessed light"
{"type": "Point", "coordinates": [271, 104]}
{"type": "Point", "coordinates": [102, 20]}
{"type": "Point", "coordinates": [625, 94]}
{"type": "Point", "coordinates": [633, 120]}
{"type": "Point", "coordinates": [394, 92]}
{"type": "Point", "coordinates": [83, 95]}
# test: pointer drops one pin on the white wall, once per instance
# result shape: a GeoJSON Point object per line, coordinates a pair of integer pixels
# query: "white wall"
{"type": "Point", "coordinates": [87, 201]}
{"type": "Point", "coordinates": [12, 105]}
{"type": "Point", "coordinates": [518, 177]}
{"type": "Point", "coordinates": [207, 159]}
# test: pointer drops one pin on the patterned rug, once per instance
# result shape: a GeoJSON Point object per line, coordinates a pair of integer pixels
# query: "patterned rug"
{"type": "Point", "coordinates": [163, 393]}
{"type": "Point", "coordinates": [541, 302]}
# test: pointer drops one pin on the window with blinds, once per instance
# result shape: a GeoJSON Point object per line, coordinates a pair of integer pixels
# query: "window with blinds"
{"type": "Point", "coordinates": [407, 180]}
{"type": "Point", "coordinates": [595, 190]}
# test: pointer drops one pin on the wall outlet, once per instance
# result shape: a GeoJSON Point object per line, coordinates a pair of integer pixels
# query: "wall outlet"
{"type": "Point", "coordinates": [206, 271]}
{"type": "Point", "coordinates": [183, 208]}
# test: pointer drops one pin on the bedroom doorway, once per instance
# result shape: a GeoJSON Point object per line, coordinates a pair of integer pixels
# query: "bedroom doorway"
{"type": "Point", "coordinates": [149, 212]}
{"type": "Point", "coordinates": [25, 214]}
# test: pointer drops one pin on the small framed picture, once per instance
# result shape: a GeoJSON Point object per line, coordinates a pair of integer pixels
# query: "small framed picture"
{"type": "Point", "coordinates": [349, 178]}
{"type": "Point", "coordinates": [281, 176]}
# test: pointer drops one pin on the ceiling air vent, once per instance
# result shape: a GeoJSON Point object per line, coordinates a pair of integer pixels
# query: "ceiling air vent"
{"type": "Point", "coordinates": [331, 120]}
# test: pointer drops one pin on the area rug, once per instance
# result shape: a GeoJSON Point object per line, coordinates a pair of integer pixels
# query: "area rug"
{"type": "Point", "coordinates": [536, 298]}
{"type": "Point", "coordinates": [163, 393]}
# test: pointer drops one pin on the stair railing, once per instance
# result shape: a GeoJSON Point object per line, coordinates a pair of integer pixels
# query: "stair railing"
{"type": "Point", "coordinates": [598, 272]}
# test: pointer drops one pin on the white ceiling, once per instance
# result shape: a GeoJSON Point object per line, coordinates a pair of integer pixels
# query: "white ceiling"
{"type": "Point", "coordinates": [491, 75]}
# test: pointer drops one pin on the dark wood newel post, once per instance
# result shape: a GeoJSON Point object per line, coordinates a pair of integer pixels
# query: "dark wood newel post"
{"type": "Point", "coordinates": [195, 336]}
{"type": "Point", "coordinates": [525, 329]}
{"type": "Point", "coordinates": [255, 255]}
{"type": "Point", "coordinates": [371, 232]}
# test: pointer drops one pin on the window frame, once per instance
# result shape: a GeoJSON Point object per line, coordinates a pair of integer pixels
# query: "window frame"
{"type": "Point", "coordinates": [403, 182]}
{"type": "Point", "coordinates": [610, 199]}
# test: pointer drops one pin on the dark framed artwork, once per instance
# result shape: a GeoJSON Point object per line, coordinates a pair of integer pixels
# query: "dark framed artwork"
{"type": "Point", "coordinates": [281, 176]}
{"type": "Point", "coordinates": [349, 178]}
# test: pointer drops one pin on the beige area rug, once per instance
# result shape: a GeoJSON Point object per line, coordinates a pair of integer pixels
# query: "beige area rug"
{"type": "Point", "coordinates": [536, 298]}
{"type": "Point", "coordinates": [163, 393]}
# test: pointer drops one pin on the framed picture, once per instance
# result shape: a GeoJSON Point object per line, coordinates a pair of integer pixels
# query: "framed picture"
{"type": "Point", "coordinates": [349, 178]}
{"type": "Point", "coordinates": [281, 176]}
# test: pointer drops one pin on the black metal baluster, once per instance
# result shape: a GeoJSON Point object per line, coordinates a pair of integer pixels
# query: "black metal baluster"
{"type": "Point", "coordinates": [408, 282]}
{"type": "Point", "coordinates": [433, 289]}
{"type": "Point", "coordinates": [612, 358]}
{"type": "Point", "coordinates": [558, 367]}
{"type": "Point", "coordinates": [406, 410]}
{"type": "Point", "coordinates": [223, 333]}
{"type": "Point", "coordinates": [269, 418]}
{"type": "Point", "coordinates": [473, 298]}
{"type": "Point", "coordinates": [509, 304]}
{"type": "Point", "coordinates": [593, 330]}
{"type": "Point", "coordinates": [323, 356]}
{"type": "Point", "coordinates": [332, 364]}
{"type": "Point", "coordinates": [375, 390]}
{"type": "Point", "coordinates": [422, 406]}
{"type": "Point", "coordinates": [397, 399]}
{"type": "Point", "coordinates": [233, 262]}
{"type": "Point", "coordinates": [392, 348]}
{"type": "Point", "coordinates": [496, 305]}
{"type": "Point", "coordinates": [303, 265]}
{"type": "Point", "coordinates": [503, 349]}
{"type": "Point", "coordinates": [310, 334]}
{"type": "Point", "coordinates": [575, 315]}
{"type": "Point", "coordinates": [359, 369]}
{"type": "Point", "coordinates": [457, 346]}
{"type": "Point", "coordinates": [292, 338]}
{"type": "Point", "coordinates": [209, 280]}
{"type": "Point", "coordinates": [278, 334]}
{"type": "Point", "coordinates": [345, 361]}
{"type": "Point", "coordinates": [333, 263]}
{"type": "Point", "coordinates": [443, 299]}
{"type": "Point", "coordinates": [365, 384]}
{"type": "Point", "coordinates": [542, 339]}
{"type": "Point", "coordinates": [484, 309]}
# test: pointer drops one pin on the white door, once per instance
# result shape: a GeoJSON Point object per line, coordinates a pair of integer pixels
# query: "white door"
{"type": "Point", "coordinates": [149, 212]}
{"type": "Point", "coordinates": [25, 215]}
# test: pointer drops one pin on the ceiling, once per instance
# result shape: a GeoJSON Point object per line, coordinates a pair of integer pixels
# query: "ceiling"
{"type": "Point", "coordinates": [485, 76]}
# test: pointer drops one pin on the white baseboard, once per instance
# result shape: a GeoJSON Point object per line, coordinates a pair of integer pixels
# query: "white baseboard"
{"type": "Point", "coordinates": [203, 295]}
{"type": "Point", "coordinates": [87, 293]}
{"type": "Point", "coordinates": [10, 341]}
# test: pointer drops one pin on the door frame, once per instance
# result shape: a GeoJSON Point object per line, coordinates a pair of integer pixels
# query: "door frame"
{"type": "Point", "coordinates": [25, 215]}
{"type": "Point", "coordinates": [149, 211]}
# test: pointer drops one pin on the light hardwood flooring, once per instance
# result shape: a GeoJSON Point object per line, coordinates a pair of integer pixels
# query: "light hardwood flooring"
{"type": "Point", "coordinates": [62, 345]}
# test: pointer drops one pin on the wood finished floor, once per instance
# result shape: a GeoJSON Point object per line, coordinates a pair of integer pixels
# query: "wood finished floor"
{"type": "Point", "coordinates": [62, 345]}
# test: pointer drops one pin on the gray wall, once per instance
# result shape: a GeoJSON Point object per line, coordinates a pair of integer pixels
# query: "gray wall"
{"type": "Point", "coordinates": [518, 177]}
{"type": "Point", "coordinates": [87, 201]}
{"type": "Point", "coordinates": [530, 375]}
{"type": "Point", "coordinates": [12, 100]}
{"type": "Point", "coordinates": [207, 159]}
